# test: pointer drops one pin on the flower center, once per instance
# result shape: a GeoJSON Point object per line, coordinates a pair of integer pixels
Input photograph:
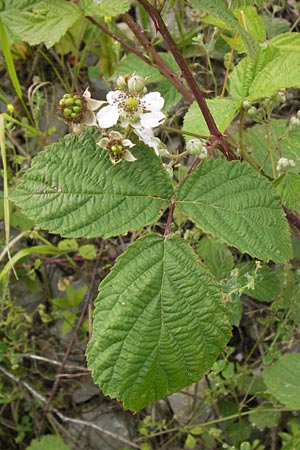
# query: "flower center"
{"type": "Point", "coordinates": [132, 103]}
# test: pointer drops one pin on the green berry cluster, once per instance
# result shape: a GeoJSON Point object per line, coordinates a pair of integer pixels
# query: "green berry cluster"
{"type": "Point", "coordinates": [72, 108]}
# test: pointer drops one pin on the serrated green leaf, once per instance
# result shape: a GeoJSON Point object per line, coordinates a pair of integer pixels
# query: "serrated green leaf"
{"type": "Point", "coordinates": [103, 8]}
{"type": "Point", "coordinates": [233, 202]}
{"type": "Point", "coordinates": [216, 256]}
{"type": "Point", "coordinates": [283, 382]}
{"type": "Point", "coordinates": [242, 76]}
{"type": "Point", "coordinates": [262, 419]}
{"type": "Point", "coordinates": [235, 4]}
{"type": "Point", "coordinates": [222, 109]}
{"type": "Point", "coordinates": [275, 25]}
{"type": "Point", "coordinates": [288, 188]}
{"type": "Point", "coordinates": [48, 442]}
{"type": "Point", "coordinates": [280, 73]}
{"type": "Point", "coordinates": [48, 22]}
{"type": "Point", "coordinates": [17, 4]}
{"type": "Point", "coordinates": [286, 42]}
{"type": "Point", "coordinates": [74, 190]}
{"type": "Point", "coordinates": [220, 9]}
{"type": "Point", "coordinates": [159, 323]}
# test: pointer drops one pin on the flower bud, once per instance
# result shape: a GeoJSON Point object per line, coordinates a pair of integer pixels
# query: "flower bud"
{"type": "Point", "coordinates": [246, 105]}
{"type": "Point", "coordinates": [252, 112]}
{"type": "Point", "coordinates": [136, 83]}
{"type": "Point", "coordinates": [295, 121]}
{"type": "Point", "coordinates": [121, 82]}
{"type": "Point", "coordinates": [197, 148]}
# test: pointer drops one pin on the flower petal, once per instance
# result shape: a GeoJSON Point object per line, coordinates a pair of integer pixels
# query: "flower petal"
{"type": "Point", "coordinates": [128, 156]}
{"type": "Point", "coordinates": [127, 143]}
{"type": "Point", "coordinates": [153, 101]}
{"type": "Point", "coordinates": [107, 116]}
{"type": "Point", "coordinates": [89, 119]}
{"type": "Point", "coordinates": [152, 119]}
{"type": "Point", "coordinates": [94, 104]}
{"type": "Point", "coordinates": [114, 96]}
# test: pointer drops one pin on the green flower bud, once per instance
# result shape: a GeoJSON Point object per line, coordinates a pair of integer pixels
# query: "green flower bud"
{"type": "Point", "coordinates": [121, 82]}
{"type": "Point", "coordinates": [246, 105]}
{"type": "Point", "coordinates": [252, 112]}
{"type": "Point", "coordinates": [136, 83]}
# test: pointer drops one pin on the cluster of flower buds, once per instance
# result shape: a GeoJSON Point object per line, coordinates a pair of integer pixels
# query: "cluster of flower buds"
{"type": "Point", "coordinates": [72, 107]}
{"type": "Point", "coordinates": [284, 164]}
{"type": "Point", "coordinates": [132, 83]}
{"type": "Point", "coordinates": [197, 147]}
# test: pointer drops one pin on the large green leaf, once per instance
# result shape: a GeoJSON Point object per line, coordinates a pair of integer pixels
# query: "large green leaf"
{"type": "Point", "coordinates": [283, 381]}
{"type": "Point", "coordinates": [159, 323]}
{"type": "Point", "coordinates": [232, 201]}
{"type": "Point", "coordinates": [222, 109]}
{"type": "Point", "coordinates": [219, 8]}
{"type": "Point", "coordinates": [73, 189]}
{"type": "Point", "coordinates": [48, 22]}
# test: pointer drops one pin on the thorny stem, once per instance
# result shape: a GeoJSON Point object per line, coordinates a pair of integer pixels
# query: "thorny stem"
{"type": "Point", "coordinates": [187, 75]}
{"type": "Point", "coordinates": [158, 61]}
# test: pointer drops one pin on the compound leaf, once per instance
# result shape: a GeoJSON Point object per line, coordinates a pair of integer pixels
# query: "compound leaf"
{"type": "Point", "coordinates": [233, 202]}
{"type": "Point", "coordinates": [159, 323]}
{"type": "Point", "coordinates": [73, 189]}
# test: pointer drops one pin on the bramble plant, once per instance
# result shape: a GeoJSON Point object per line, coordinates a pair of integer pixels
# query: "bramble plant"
{"type": "Point", "coordinates": [163, 316]}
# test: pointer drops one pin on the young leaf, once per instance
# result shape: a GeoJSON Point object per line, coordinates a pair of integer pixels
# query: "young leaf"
{"type": "Point", "coordinates": [73, 189]}
{"type": "Point", "coordinates": [159, 323]}
{"type": "Point", "coordinates": [280, 73]}
{"type": "Point", "coordinates": [282, 380]}
{"type": "Point", "coordinates": [219, 8]}
{"type": "Point", "coordinates": [216, 256]}
{"type": "Point", "coordinates": [48, 22]}
{"type": "Point", "coordinates": [233, 202]}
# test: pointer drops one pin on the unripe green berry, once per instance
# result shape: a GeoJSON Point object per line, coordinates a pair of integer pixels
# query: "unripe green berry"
{"type": "Point", "coordinates": [78, 102]}
{"type": "Point", "coordinates": [73, 115]}
{"type": "Point", "coordinates": [76, 109]}
{"type": "Point", "coordinates": [69, 101]}
{"type": "Point", "coordinates": [67, 112]}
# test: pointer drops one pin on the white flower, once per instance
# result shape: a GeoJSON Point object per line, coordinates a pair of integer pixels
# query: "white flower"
{"type": "Point", "coordinates": [116, 145]}
{"type": "Point", "coordinates": [146, 135]}
{"type": "Point", "coordinates": [284, 163]}
{"type": "Point", "coordinates": [131, 109]}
